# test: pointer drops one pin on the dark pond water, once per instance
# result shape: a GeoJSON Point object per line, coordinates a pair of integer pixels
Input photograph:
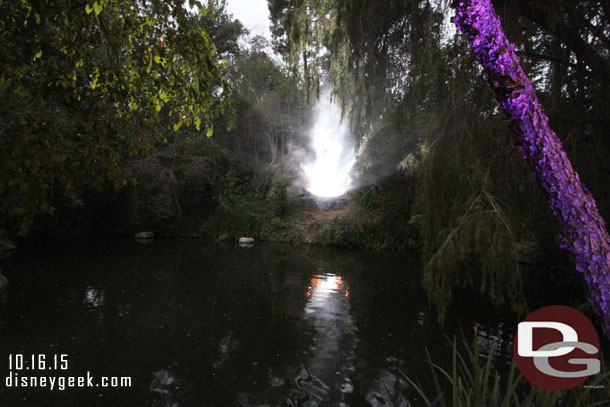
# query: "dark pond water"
{"type": "Point", "coordinates": [201, 325]}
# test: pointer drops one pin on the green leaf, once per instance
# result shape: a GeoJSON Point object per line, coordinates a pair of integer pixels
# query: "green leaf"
{"type": "Point", "coordinates": [177, 125]}
{"type": "Point", "coordinates": [88, 9]}
{"type": "Point", "coordinates": [38, 55]}
{"type": "Point", "coordinates": [97, 8]}
{"type": "Point", "coordinates": [197, 123]}
{"type": "Point", "coordinates": [209, 133]}
{"type": "Point", "coordinates": [157, 59]}
{"type": "Point", "coordinates": [164, 97]}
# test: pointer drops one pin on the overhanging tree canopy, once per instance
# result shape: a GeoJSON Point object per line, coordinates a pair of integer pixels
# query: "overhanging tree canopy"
{"type": "Point", "coordinates": [86, 84]}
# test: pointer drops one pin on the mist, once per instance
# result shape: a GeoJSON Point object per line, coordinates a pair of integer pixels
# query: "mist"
{"type": "Point", "coordinates": [329, 173]}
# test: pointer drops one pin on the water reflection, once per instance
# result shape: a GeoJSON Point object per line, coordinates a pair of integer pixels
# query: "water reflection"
{"type": "Point", "coordinates": [226, 349]}
{"type": "Point", "coordinates": [164, 387]}
{"type": "Point", "coordinates": [325, 377]}
{"type": "Point", "coordinates": [495, 342]}
{"type": "Point", "coordinates": [94, 299]}
{"type": "Point", "coordinates": [94, 302]}
{"type": "Point", "coordinates": [388, 388]}
{"type": "Point", "coordinates": [322, 374]}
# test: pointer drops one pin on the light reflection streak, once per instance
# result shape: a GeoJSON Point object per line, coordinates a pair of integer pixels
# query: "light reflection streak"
{"type": "Point", "coordinates": [325, 377]}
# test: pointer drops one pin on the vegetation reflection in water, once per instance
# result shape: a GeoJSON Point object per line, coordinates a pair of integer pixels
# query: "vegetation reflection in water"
{"type": "Point", "coordinates": [226, 326]}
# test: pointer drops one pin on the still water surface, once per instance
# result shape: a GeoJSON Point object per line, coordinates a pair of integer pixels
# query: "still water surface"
{"type": "Point", "coordinates": [195, 324]}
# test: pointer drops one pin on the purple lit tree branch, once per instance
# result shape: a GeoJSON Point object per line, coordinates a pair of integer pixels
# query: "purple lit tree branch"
{"type": "Point", "coordinates": [584, 231]}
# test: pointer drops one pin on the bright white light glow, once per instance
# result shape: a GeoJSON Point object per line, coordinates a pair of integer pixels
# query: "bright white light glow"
{"type": "Point", "coordinates": [328, 175]}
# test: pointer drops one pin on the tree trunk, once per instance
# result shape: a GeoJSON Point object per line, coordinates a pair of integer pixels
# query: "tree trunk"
{"type": "Point", "coordinates": [584, 231]}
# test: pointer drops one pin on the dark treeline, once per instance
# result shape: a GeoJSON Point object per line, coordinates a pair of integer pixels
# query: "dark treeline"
{"type": "Point", "coordinates": [107, 111]}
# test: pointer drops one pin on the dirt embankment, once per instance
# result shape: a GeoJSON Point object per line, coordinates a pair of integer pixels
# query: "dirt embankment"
{"type": "Point", "coordinates": [318, 212]}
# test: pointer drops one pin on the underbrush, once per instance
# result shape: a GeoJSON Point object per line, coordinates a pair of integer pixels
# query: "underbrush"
{"type": "Point", "coordinates": [197, 188]}
{"type": "Point", "coordinates": [376, 235]}
{"type": "Point", "coordinates": [469, 382]}
{"type": "Point", "coordinates": [174, 188]}
{"type": "Point", "coordinates": [242, 213]}
{"type": "Point", "coordinates": [382, 221]}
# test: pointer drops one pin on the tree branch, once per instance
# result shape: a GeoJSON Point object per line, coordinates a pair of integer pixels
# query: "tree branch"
{"type": "Point", "coordinates": [584, 230]}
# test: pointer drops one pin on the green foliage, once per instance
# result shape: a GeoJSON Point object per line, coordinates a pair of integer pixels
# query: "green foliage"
{"type": "Point", "coordinates": [468, 382]}
{"type": "Point", "coordinates": [381, 221]}
{"type": "Point", "coordinates": [86, 85]}
{"type": "Point", "coordinates": [272, 113]}
{"type": "Point", "coordinates": [300, 32]}
{"type": "Point", "coordinates": [279, 201]}
{"type": "Point", "coordinates": [481, 240]}
{"type": "Point", "coordinates": [475, 200]}
{"type": "Point", "coordinates": [366, 197]}
{"type": "Point", "coordinates": [238, 216]}
{"type": "Point", "coordinates": [376, 235]}
{"type": "Point", "coordinates": [175, 188]}
{"type": "Point", "coordinates": [339, 232]}
{"type": "Point", "coordinates": [241, 211]}
{"type": "Point", "coordinates": [389, 205]}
